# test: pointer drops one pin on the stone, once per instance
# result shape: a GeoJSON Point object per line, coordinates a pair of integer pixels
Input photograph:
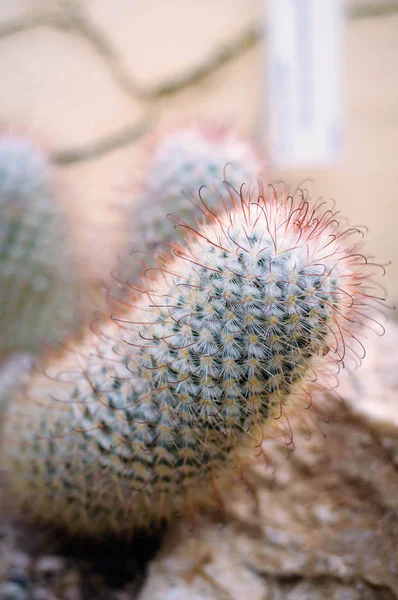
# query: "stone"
{"type": "Point", "coordinates": [72, 592]}
{"type": "Point", "coordinates": [21, 560]}
{"type": "Point", "coordinates": [41, 593]}
{"type": "Point", "coordinates": [50, 567]}
{"type": "Point", "coordinates": [12, 591]}
{"type": "Point", "coordinates": [20, 577]}
{"type": "Point", "coordinates": [361, 388]}
{"type": "Point", "coordinates": [121, 595]}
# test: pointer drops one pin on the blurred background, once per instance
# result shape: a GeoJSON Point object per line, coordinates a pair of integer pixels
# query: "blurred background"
{"type": "Point", "coordinates": [88, 78]}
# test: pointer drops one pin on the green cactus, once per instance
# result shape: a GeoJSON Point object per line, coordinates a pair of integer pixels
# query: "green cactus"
{"type": "Point", "coordinates": [149, 415]}
{"type": "Point", "coordinates": [178, 162]}
{"type": "Point", "coordinates": [36, 269]}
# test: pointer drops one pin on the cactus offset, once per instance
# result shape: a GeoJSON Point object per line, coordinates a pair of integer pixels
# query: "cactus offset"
{"type": "Point", "coordinates": [179, 162]}
{"type": "Point", "coordinates": [154, 410]}
{"type": "Point", "coordinates": [36, 269]}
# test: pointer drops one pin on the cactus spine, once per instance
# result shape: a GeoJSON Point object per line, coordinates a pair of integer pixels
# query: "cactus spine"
{"type": "Point", "coordinates": [155, 408]}
{"type": "Point", "coordinates": [36, 271]}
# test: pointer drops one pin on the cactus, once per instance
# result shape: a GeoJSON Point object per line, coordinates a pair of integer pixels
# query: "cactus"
{"type": "Point", "coordinates": [178, 162]}
{"type": "Point", "coordinates": [149, 415]}
{"type": "Point", "coordinates": [36, 269]}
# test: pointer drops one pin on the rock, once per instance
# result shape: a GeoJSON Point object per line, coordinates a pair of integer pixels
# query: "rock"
{"type": "Point", "coordinates": [19, 566]}
{"type": "Point", "coordinates": [361, 387]}
{"type": "Point", "coordinates": [20, 577]}
{"type": "Point", "coordinates": [72, 592]}
{"type": "Point", "coordinates": [21, 560]}
{"type": "Point", "coordinates": [50, 567]}
{"type": "Point", "coordinates": [72, 585]}
{"type": "Point", "coordinates": [42, 593]}
{"type": "Point", "coordinates": [72, 577]}
{"type": "Point", "coordinates": [12, 591]}
{"type": "Point", "coordinates": [121, 595]}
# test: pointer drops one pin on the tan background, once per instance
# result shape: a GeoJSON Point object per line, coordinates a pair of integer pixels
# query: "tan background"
{"type": "Point", "coordinates": [88, 77]}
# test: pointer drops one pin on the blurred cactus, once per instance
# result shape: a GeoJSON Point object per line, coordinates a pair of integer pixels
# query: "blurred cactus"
{"type": "Point", "coordinates": [179, 161]}
{"type": "Point", "coordinates": [36, 271]}
{"type": "Point", "coordinates": [149, 414]}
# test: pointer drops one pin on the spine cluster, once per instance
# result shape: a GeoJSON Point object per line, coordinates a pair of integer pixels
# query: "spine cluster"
{"type": "Point", "coordinates": [151, 412]}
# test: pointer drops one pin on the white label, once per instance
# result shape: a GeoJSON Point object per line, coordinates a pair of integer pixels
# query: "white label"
{"type": "Point", "coordinates": [305, 76]}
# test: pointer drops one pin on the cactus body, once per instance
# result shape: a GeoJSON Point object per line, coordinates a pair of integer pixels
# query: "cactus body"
{"type": "Point", "coordinates": [157, 407]}
{"type": "Point", "coordinates": [36, 270]}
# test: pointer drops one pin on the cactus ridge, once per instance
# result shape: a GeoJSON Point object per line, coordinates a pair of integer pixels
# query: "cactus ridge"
{"type": "Point", "coordinates": [36, 268]}
{"type": "Point", "coordinates": [228, 333]}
